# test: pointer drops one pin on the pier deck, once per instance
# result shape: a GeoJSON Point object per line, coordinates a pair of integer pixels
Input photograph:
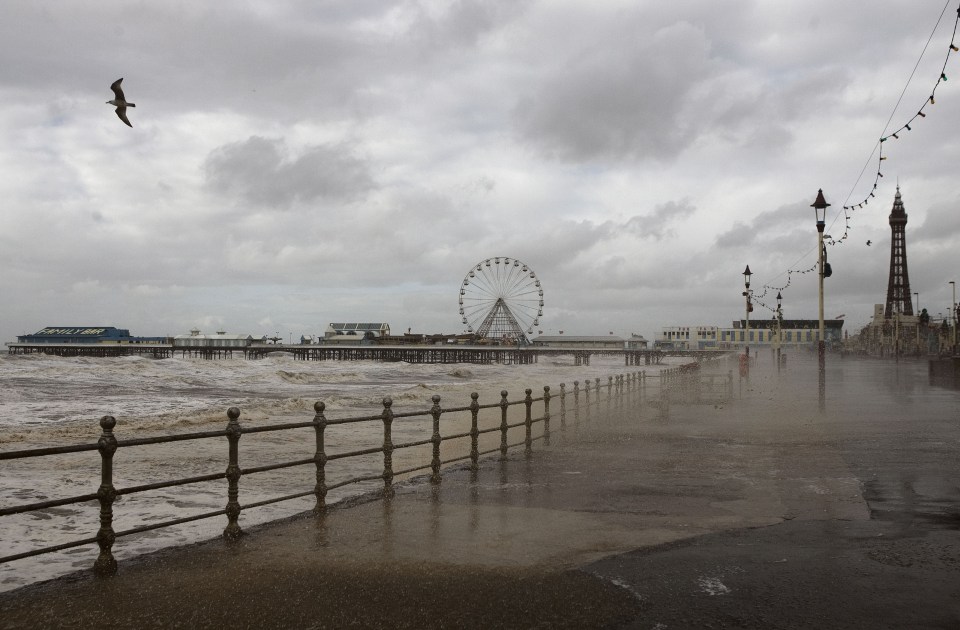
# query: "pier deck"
{"type": "Point", "coordinates": [451, 353]}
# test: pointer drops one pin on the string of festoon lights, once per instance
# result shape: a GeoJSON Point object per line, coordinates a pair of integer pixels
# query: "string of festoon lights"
{"type": "Point", "coordinates": [880, 153]}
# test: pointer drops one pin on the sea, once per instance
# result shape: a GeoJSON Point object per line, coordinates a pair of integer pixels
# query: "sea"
{"type": "Point", "coordinates": [56, 401]}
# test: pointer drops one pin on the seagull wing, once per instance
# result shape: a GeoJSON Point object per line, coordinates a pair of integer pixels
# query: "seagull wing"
{"type": "Point", "coordinates": [122, 113]}
{"type": "Point", "coordinates": [115, 86]}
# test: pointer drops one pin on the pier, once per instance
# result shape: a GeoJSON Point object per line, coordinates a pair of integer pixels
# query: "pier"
{"type": "Point", "coordinates": [451, 353]}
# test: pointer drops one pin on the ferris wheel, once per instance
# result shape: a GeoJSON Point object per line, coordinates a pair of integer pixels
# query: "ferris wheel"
{"type": "Point", "coordinates": [501, 299]}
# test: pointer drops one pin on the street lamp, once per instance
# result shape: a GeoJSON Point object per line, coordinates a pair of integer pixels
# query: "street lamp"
{"type": "Point", "coordinates": [746, 294]}
{"type": "Point", "coordinates": [820, 209]}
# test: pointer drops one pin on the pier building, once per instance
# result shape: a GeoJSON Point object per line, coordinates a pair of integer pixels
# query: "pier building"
{"type": "Point", "coordinates": [350, 332]}
{"type": "Point", "coordinates": [86, 334]}
{"type": "Point", "coordinates": [611, 342]}
{"type": "Point", "coordinates": [219, 340]}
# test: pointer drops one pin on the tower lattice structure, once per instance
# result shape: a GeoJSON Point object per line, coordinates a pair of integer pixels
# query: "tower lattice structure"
{"type": "Point", "coordinates": [898, 287]}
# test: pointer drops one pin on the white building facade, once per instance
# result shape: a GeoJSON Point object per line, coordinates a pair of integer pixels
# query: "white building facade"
{"type": "Point", "coordinates": [763, 333]}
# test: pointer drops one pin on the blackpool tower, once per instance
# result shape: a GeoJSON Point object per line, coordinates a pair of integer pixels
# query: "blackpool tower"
{"type": "Point", "coordinates": [898, 287]}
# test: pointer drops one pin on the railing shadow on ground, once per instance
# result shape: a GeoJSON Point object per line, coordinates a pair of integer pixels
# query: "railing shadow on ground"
{"type": "Point", "coordinates": [474, 431]}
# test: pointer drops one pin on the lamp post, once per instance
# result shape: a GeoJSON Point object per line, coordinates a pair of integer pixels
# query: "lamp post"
{"type": "Point", "coordinates": [779, 326]}
{"type": "Point", "coordinates": [820, 209]}
{"type": "Point", "coordinates": [749, 307]}
{"type": "Point", "coordinates": [953, 316]}
{"type": "Point", "coordinates": [917, 324]}
{"type": "Point", "coordinates": [896, 333]}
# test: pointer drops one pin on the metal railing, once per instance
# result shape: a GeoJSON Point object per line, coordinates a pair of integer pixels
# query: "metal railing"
{"type": "Point", "coordinates": [620, 398]}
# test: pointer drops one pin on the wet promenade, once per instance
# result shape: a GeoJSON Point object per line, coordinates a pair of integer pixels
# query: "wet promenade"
{"type": "Point", "coordinates": [757, 513]}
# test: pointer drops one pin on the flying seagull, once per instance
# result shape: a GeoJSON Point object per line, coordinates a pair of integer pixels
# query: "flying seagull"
{"type": "Point", "coordinates": [120, 102]}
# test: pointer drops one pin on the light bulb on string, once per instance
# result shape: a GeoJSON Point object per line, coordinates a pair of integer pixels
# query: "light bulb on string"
{"type": "Point", "coordinates": [943, 76]}
{"type": "Point", "coordinates": [932, 102]}
{"type": "Point", "coordinates": [954, 48]}
{"type": "Point", "coordinates": [921, 114]}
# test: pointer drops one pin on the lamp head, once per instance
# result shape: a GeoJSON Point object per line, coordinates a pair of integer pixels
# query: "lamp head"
{"type": "Point", "coordinates": [820, 208]}
{"type": "Point", "coordinates": [746, 276]}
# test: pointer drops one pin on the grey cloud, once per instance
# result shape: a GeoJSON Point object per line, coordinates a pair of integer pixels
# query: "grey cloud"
{"type": "Point", "coordinates": [771, 224]}
{"type": "Point", "coordinates": [942, 224]}
{"type": "Point", "coordinates": [658, 224]}
{"type": "Point", "coordinates": [739, 235]}
{"type": "Point", "coordinates": [465, 21]}
{"type": "Point", "coordinates": [260, 171]}
{"type": "Point", "coordinates": [619, 101]}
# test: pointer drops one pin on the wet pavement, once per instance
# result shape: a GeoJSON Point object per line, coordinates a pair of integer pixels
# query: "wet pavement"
{"type": "Point", "coordinates": [756, 513]}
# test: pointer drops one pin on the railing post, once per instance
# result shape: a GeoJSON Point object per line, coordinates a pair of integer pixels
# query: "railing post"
{"type": "Point", "coordinates": [586, 401]}
{"type": "Point", "coordinates": [624, 393]}
{"type": "Point", "coordinates": [503, 424]}
{"type": "Point", "coordinates": [546, 415]}
{"type": "Point", "coordinates": [563, 407]}
{"type": "Point", "coordinates": [435, 411]}
{"type": "Point", "coordinates": [387, 416]}
{"type": "Point", "coordinates": [576, 404]}
{"type": "Point", "coordinates": [474, 433]}
{"type": "Point", "coordinates": [528, 423]}
{"type": "Point", "coordinates": [597, 391]}
{"type": "Point", "coordinates": [106, 564]}
{"type": "Point", "coordinates": [232, 531]}
{"type": "Point", "coordinates": [320, 490]}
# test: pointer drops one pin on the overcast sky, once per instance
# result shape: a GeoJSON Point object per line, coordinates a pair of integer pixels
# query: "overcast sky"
{"type": "Point", "coordinates": [296, 163]}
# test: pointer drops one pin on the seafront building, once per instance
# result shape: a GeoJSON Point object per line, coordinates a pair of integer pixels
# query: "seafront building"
{"type": "Point", "coordinates": [761, 333]}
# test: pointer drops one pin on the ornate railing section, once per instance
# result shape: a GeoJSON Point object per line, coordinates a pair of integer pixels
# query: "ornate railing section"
{"type": "Point", "coordinates": [621, 398]}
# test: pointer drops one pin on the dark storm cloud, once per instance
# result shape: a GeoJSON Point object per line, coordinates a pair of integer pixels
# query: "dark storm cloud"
{"type": "Point", "coordinates": [261, 171]}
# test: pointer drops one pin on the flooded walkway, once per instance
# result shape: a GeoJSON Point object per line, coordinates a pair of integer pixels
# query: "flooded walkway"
{"type": "Point", "coordinates": [758, 513]}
